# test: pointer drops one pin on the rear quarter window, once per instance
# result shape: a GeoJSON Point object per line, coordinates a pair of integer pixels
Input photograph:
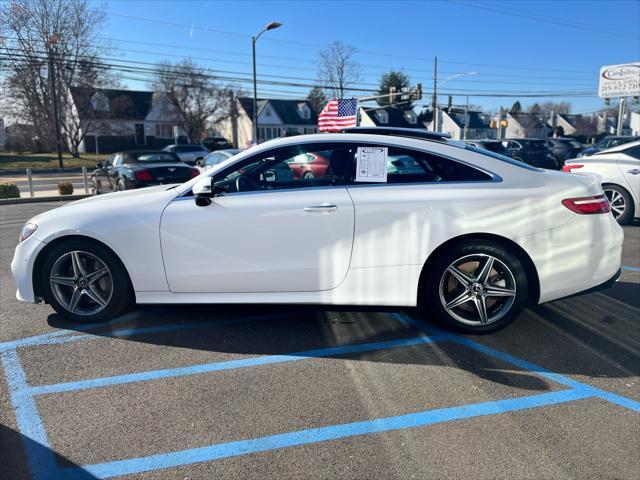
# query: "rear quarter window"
{"type": "Point", "coordinates": [502, 158]}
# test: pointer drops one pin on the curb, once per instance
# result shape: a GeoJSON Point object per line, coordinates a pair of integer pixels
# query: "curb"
{"type": "Point", "coordinates": [58, 198]}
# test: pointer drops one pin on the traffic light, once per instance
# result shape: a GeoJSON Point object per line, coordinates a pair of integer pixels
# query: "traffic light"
{"type": "Point", "coordinates": [417, 94]}
{"type": "Point", "coordinates": [449, 103]}
{"type": "Point", "coordinates": [392, 94]}
{"type": "Point", "coordinates": [636, 100]}
{"type": "Point", "coordinates": [607, 101]}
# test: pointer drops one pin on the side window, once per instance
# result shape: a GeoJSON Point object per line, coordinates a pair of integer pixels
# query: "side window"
{"type": "Point", "coordinates": [213, 159]}
{"type": "Point", "coordinates": [633, 152]}
{"type": "Point", "coordinates": [300, 166]}
{"type": "Point", "coordinates": [409, 166]}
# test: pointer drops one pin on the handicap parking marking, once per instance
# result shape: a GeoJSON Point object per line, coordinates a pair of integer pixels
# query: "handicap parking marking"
{"type": "Point", "coordinates": [316, 435]}
{"type": "Point", "coordinates": [43, 464]}
{"type": "Point", "coordinates": [523, 364]}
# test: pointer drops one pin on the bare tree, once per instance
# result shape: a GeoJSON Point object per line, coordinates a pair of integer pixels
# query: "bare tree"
{"type": "Point", "coordinates": [199, 101]}
{"type": "Point", "coordinates": [337, 68]}
{"type": "Point", "coordinates": [41, 34]}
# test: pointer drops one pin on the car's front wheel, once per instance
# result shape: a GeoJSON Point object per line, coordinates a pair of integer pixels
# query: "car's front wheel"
{"type": "Point", "coordinates": [85, 282]}
{"type": "Point", "coordinates": [476, 286]}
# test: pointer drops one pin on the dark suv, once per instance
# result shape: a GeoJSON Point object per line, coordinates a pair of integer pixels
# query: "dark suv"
{"type": "Point", "coordinates": [564, 148]}
{"type": "Point", "coordinates": [494, 146]}
{"type": "Point", "coordinates": [533, 151]}
{"type": "Point", "coordinates": [609, 141]}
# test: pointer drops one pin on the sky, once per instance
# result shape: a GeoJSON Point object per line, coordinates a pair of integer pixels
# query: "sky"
{"type": "Point", "coordinates": [510, 46]}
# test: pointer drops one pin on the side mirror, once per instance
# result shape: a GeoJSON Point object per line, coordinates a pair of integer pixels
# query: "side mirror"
{"type": "Point", "coordinates": [100, 165]}
{"type": "Point", "coordinates": [203, 192]}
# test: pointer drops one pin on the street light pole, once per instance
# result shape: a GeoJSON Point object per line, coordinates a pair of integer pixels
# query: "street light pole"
{"type": "Point", "coordinates": [453, 77]}
{"type": "Point", "coordinates": [270, 26]}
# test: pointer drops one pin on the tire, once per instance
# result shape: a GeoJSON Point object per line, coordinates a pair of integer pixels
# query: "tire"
{"type": "Point", "coordinates": [621, 203]}
{"type": "Point", "coordinates": [113, 287]}
{"type": "Point", "coordinates": [121, 186]}
{"type": "Point", "coordinates": [504, 292]}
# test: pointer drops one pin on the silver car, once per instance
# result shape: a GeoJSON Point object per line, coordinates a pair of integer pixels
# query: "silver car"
{"type": "Point", "coordinates": [188, 153]}
{"type": "Point", "coordinates": [214, 158]}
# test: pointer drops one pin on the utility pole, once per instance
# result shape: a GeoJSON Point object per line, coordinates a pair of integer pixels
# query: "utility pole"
{"type": "Point", "coordinates": [620, 116]}
{"type": "Point", "coordinates": [500, 124]}
{"type": "Point", "coordinates": [434, 101]}
{"type": "Point", "coordinates": [270, 26]}
{"type": "Point", "coordinates": [54, 102]}
{"type": "Point", "coordinates": [234, 118]}
{"type": "Point", "coordinates": [465, 132]}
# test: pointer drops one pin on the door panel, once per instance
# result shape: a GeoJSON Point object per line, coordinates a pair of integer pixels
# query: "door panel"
{"type": "Point", "coordinates": [630, 169]}
{"type": "Point", "coordinates": [273, 241]}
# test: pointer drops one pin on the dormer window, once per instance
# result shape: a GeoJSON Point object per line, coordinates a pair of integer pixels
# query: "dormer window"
{"type": "Point", "coordinates": [303, 111]}
{"type": "Point", "coordinates": [383, 116]}
{"type": "Point", "coordinates": [100, 102]}
{"type": "Point", "coordinates": [411, 117]}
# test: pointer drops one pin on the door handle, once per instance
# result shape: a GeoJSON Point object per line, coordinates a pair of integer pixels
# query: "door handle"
{"type": "Point", "coordinates": [635, 171]}
{"type": "Point", "coordinates": [325, 207]}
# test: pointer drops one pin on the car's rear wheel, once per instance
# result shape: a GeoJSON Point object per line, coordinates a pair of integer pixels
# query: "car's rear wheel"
{"type": "Point", "coordinates": [120, 185]}
{"type": "Point", "coordinates": [476, 286]}
{"type": "Point", "coordinates": [621, 203]}
{"type": "Point", "coordinates": [93, 185]}
{"type": "Point", "coordinates": [85, 282]}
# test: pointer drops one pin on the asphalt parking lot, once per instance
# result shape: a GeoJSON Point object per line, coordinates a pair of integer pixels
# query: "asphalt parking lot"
{"type": "Point", "coordinates": [291, 392]}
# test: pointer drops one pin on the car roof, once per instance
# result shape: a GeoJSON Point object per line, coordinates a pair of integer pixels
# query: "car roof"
{"type": "Point", "coordinates": [619, 148]}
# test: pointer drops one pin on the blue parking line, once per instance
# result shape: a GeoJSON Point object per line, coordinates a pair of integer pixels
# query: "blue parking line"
{"type": "Point", "coordinates": [523, 364]}
{"type": "Point", "coordinates": [226, 365]}
{"type": "Point", "coordinates": [633, 269]}
{"type": "Point", "coordinates": [316, 435]}
{"type": "Point", "coordinates": [39, 455]}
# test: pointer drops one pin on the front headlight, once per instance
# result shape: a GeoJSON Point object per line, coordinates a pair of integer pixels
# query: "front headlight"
{"type": "Point", "coordinates": [27, 231]}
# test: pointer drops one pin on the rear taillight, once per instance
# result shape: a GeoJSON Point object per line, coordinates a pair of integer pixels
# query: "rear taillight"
{"type": "Point", "coordinates": [143, 175]}
{"type": "Point", "coordinates": [194, 172]}
{"type": "Point", "coordinates": [568, 168]}
{"type": "Point", "coordinates": [588, 205]}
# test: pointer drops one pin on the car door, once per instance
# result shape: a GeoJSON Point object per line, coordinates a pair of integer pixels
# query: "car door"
{"type": "Point", "coordinates": [266, 231]}
{"type": "Point", "coordinates": [629, 165]}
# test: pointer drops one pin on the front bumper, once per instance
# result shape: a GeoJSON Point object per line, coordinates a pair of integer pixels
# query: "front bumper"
{"type": "Point", "coordinates": [24, 259]}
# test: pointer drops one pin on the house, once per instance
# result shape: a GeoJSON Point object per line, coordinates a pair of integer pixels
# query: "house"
{"type": "Point", "coordinates": [452, 121]}
{"type": "Point", "coordinates": [276, 118]}
{"type": "Point", "coordinates": [389, 116]}
{"type": "Point", "coordinates": [524, 125]}
{"type": "Point", "coordinates": [112, 120]}
{"type": "Point", "coordinates": [573, 125]}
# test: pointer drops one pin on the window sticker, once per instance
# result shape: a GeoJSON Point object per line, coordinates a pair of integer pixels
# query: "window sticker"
{"type": "Point", "coordinates": [371, 164]}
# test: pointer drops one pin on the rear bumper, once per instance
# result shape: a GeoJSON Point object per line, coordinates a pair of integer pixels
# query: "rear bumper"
{"type": "Point", "coordinates": [583, 254]}
{"type": "Point", "coordinates": [603, 286]}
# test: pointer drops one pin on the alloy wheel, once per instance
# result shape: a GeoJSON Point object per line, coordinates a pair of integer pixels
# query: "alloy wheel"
{"type": "Point", "coordinates": [477, 289]}
{"type": "Point", "coordinates": [616, 201]}
{"type": "Point", "coordinates": [81, 283]}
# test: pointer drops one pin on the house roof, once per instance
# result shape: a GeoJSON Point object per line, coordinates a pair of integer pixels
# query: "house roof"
{"type": "Point", "coordinates": [527, 120]}
{"type": "Point", "coordinates": [396, 116]}
{"type": "Point", "coordinates": [287, 110]}
{"type": "Point", "coordinates": [123, 104]}
{"type": "Point", "coordinates": [476, 119]}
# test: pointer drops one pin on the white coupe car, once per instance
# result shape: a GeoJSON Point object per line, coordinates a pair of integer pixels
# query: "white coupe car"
{"type": "Point", "coordinates": [469, 235]}
{"type": "Point", "coordinates": [619, 169]}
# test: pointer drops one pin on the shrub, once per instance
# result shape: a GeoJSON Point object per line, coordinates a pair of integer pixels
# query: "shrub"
{"type": "Point", "coordinates": [65, 188]}
{"type": "Point", "coordinates": [9, 190]}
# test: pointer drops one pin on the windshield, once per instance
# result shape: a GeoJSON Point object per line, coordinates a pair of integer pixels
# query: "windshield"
{"type": "Point", "coordinates": [149, 157]}
{"type": "Point", "coordinates": [502, 158]}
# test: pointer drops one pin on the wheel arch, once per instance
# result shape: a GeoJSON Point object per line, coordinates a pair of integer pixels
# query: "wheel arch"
{"type": "Point", "coordinates": [42, 255]}
{"type": "Point", "coordinates": [523, 256]}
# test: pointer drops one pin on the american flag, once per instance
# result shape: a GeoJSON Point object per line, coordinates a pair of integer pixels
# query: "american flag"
{"type": "Point", "coordinates": [338, 114]}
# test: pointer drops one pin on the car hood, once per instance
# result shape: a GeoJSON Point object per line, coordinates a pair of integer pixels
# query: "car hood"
{"type": "Point", "coordinates": [95, 216]}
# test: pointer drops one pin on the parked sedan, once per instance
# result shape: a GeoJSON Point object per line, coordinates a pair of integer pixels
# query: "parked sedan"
{"type": "Point", "coordinates": [533, 151]}
{"type": "Point", "coordinates": [216, 143]}
{"type": "Point", "coordinates": [136, 169]}
{"type": "Point", "coordinates": [495, 146]}
{"type": "Point", "coordinates": [190, 154]}
{"type": "Point", "coordinates": [619, 169]}
{"type": "Point", "coordinates": [216, 157]}
{"type": "Point", "coordinates": [607, 142]}
{"type": "Point", "coordinates": [468, 235]}
{"type": "Point", "coordinates": [564, 148]}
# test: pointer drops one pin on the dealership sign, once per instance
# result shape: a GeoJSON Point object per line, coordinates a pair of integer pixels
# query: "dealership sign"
{"type": "Point", "coordinates": [620, 80]}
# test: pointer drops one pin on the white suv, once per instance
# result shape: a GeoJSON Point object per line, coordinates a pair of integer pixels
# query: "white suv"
{"type": "Point", "coordinates": [188, 153]}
